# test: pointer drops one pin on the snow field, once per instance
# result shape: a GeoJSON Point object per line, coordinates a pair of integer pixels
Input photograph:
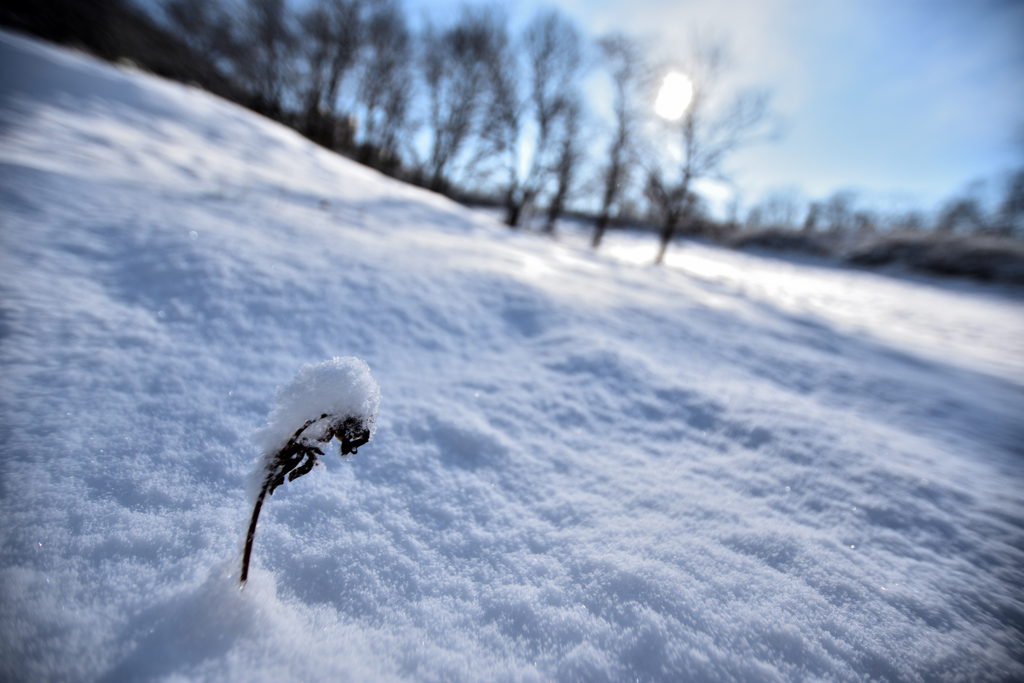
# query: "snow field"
{"type": "Point", "coordinates": [584, 469]}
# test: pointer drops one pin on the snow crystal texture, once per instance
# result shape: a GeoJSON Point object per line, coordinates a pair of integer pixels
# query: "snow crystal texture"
{"type": "Point", "coordinates": [734, 468]}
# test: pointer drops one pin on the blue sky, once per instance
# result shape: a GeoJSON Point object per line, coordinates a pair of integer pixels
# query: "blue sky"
{"type": "Point", "coordinates": [906, 102]}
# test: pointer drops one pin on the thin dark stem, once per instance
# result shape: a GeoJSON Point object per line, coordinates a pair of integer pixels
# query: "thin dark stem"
{"type": "Point", "coordinates": [602, 222]}
{"type": "Point", "coordinates": [252, 530]}
{"type": "Point", "coordinates": [296, 459]}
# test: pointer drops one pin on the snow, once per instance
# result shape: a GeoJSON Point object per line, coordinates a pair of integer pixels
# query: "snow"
{"type": "Point", "coordinates": [585, 468]}
{"type": "Point", "coordinates": [340, 387]}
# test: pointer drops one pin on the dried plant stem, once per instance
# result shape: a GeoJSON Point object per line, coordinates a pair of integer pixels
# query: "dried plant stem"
{"type": "Point", "coordinates": [252, 530]}
{"type": "Point", "coordinates": [296, 459]}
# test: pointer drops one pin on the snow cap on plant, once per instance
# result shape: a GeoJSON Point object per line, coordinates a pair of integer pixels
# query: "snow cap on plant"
{"type": "Point", "coordinates": [340, 388]}
{"type": "Point", "coordinates": [336, 399]}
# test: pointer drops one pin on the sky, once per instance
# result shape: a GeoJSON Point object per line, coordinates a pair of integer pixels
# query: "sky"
{"type": "Point", "coordinates": [906, 103]}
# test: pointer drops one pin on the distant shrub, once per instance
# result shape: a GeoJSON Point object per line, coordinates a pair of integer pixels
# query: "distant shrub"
{"type": "Point", "coordinates": [783, 239]}
{"type": "Point", "coordinates": [980, 257]}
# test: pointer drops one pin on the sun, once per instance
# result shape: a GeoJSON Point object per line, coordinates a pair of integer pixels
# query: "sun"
{"type": "Point", "coordinates": [674, 96]}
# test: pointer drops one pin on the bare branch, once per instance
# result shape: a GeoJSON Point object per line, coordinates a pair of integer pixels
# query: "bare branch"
{"type": "Point", "coordinates": [630, 73]}
{"type": "Point", "coordinates": [707, 136]}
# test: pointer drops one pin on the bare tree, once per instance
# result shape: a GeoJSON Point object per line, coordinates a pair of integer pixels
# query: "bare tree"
{"type": "Point", "coordinates": [906, 221]}
{"type": "Point", "coordinates": [570, 154]}
{"type": "Point", "coordinates": [837, 213]}
{"type": "Point", "coordinates": [708, 133]}
{"type": "Point", "coordinates": [963, 215]}
{"type": "Point", "coordinates": [813, 217]}
{"type": "Point", "coordinates": [331, 41]}
{"type": "Point", "coordinates": [205, 26]}
{"type": "Point", "coordinates": [268, 41]}
{"type": "Point", "coordinates": [387, 85]}
{"type": "Point", "coordinates": [455, 69]}
{"type": "Point", "coordinates": [553, 49]}
{"type": "Point", "coordinates": [777, 209]}
{"type": "Point", "coordinates": [625, 62]}
{"type": "Point", "coordinates": [1011, 210]}
{"type": "Point", "coordinates": [503, 117]}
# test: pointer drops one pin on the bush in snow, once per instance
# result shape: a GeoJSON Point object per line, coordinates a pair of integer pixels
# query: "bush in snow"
{"type": "Point", "coordinates": [336, 399]}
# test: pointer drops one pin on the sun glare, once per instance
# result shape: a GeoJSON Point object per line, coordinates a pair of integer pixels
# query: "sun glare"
{"type": "Point", "coordinates": [674, 96]}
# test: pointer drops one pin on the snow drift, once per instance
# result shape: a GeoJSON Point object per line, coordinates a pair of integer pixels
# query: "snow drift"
{"type": "Point", "coordinates": [584, 469]}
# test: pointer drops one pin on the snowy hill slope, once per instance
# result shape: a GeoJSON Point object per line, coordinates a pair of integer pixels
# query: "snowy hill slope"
{"type": "Point", "coordinates": [584, 469]}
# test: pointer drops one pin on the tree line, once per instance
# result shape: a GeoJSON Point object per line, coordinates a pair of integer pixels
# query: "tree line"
{"type": "Point", "coordinates": [469, 107]}
{"type": "Point", "coordinates": [464, 106]}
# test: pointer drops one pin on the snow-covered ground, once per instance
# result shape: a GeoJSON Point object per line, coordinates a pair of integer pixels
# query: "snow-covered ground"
{"type": "Point", "coordinates": [585, 468]}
